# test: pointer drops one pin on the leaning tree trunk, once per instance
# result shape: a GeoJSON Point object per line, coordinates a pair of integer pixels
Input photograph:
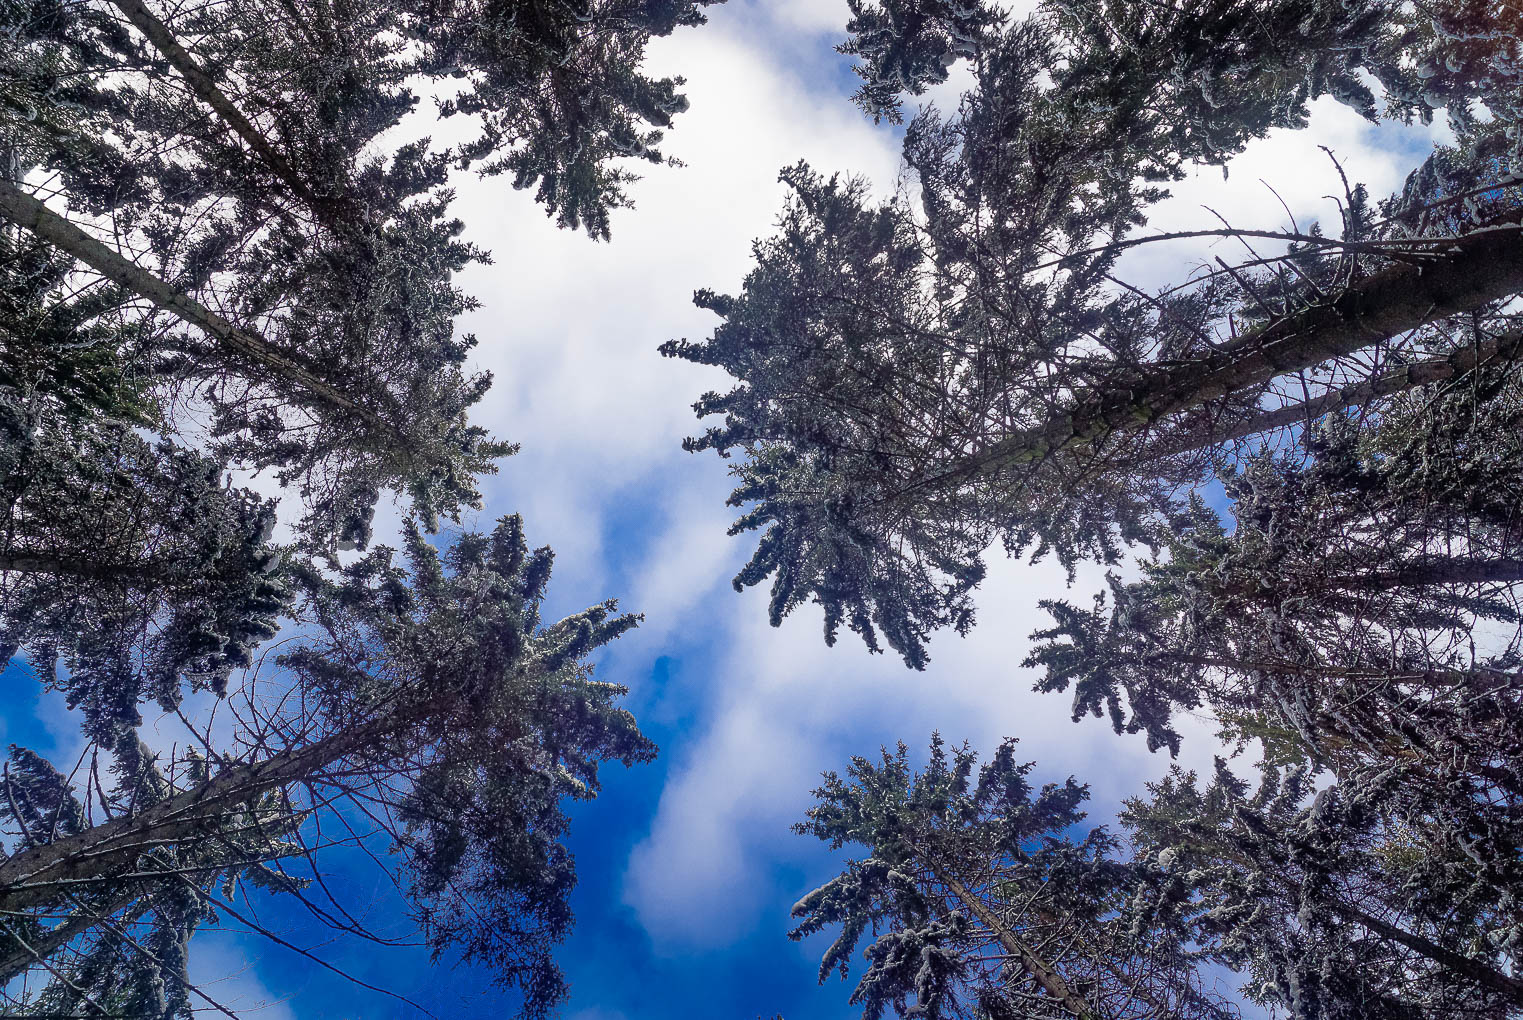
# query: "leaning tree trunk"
{"type": "Point", "coordinates": [22, 956]}
{"type": "Point", "coordinates": [244, 347]}
{"type": "Point", "coordinates": [145, 572]}
{"type": "Point", "coordinates": [1508, 347]}
{"type": "Point", "coordinates": [1343, 578]}
{"type": "Point", "coordinates": [43, 875]}
{"type": "Point", "coordinates": [1483, 268]}
{"type": "Point", "coordinates": [1483, 974]}
{"type": "Point", "coordinates": [207, 90]}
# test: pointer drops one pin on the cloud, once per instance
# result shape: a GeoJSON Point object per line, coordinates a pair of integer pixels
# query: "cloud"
{"type": "Point", "coordinates": [788, 708]}
{"type": "Point", "coordinates": [817, 17]}
{"type": "Point", "coordinates": [570, 328]}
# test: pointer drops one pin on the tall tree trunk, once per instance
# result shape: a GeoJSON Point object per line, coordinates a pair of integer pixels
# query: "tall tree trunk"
{"type": "Point", "coordinates": [1047, 976]}
{"type": "Point", "coordinates": [207, 90]}
{"type": "Point", "coordinates": [43, 875]}
{"type": "Point", "coordinates": [246, 348]}
{"type": "Point", "coordinates": [1481, 973]}
{"type": "Point", "coordinates": [1431, 571]}
{"type": "Point", "coordinates": [18, 959]}
{"type": "Point", "coordinates": [1482, 268]}
{"type": "Point", "coordinates": [44, 563]}
{"type": "Point", "coordinates": [1435, 677]}
{"type": "Point", "coordinates": [1436, 570]}
{"type": "Point", "coordinates": [1488, 977]}
{"type": "Point", "coordinates": [1505, 348]}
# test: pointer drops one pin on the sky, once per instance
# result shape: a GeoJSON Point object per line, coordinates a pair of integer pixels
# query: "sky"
{"type": "Point", "coordinates": [687, 867]}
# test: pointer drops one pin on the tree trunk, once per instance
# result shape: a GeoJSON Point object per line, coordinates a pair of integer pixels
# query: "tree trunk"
{"type": "Point", "coordinates": [1046, 975]}
{"type": "Point", "coordinates": [1437, 571]}
{"type": "Point", "coordinates": [1505, 348]}
{"type": "Point", "coordinates": [44, 874]}
{"type": "Point", "coordinates": [248, 349]}
{"type": "Point", "coordinates": [18, 959]}
{"type": "Point", "coordinates": [1482, 268]}
{"type": "Point", "coordinates": [1480, 973]}
{"type": "Point", "coordinates": [1477, 971]}
{"type": "Point", "coordinates": [207, 90]}
{"type": "Point", "coordinates": [43, 563]}
{"type": "Point", "coordinates": [1440, 677]}
{"type": "Point", "coordinates": [1421, 573]}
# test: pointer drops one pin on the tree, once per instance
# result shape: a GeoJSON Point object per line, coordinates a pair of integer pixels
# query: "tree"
{"type": "Point", "coordinates": [918, 383]}
{"type": "Point", "coordinates": [332, 338]}
{"type": "Point", "coordinates": [980, 901]}
{"type": "Point", "coordinates": [435, 702]}
{"type": "Point", "coordinates": [1333, 907]}
{"type": "Point", "coordinates": [129, 564]}
{"type": "Point", "coordinates": [319, 273]}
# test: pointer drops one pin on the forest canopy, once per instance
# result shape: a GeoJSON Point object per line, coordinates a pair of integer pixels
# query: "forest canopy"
{"type": "Point", "coordinates": [306, 655]}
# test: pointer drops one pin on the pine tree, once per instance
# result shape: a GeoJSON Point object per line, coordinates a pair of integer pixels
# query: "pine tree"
{"type": "Point", "coordinates": [437, 696]}
{"type": "Point", "coordinates": [918, 383]}
{"type": "Point", "coordinates": [980, 901]}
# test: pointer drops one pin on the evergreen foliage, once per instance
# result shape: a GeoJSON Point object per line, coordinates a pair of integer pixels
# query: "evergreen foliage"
{"type": "Point", "coordinates": [431, 694]}
{"type": "Point", "coordinates": [979, 899]}
{"type": "Point", "coordinates": [918, 381]}
{"type": "Point", "coordinates": [303, 279]}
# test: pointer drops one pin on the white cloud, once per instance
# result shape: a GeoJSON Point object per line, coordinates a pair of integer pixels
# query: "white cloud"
{"type": "Point", "coordinates": [818, 17]}
{"type": "Point", "coordinates": [788, 708]}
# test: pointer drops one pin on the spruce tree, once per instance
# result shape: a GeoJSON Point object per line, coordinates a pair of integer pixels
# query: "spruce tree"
{"type": "Point", "coordinates": [434, 695]}
{"type": "Point", "coordinates": [1362, 608]}
{"type": "Point", "coordinates": [119, 948]}
{"type": "Point", "coordinates": [917, 383]}
{"type": "Point", "coordinates": [979, 899]}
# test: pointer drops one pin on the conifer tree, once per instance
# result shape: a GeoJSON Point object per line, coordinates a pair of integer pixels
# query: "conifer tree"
{"type": "Point", "coordinates": [437, 696]}
{"type": "Point", "coordinates": [918, 383]}
{"type": "Point", "coordinates": [315, 276]}
{"type": "Point", "coordinates": [979, 900]}
{"type": "Point", "coordinates": [1333, 908]}
{"type": "Point", "coordinates": [128, 572]}
{"type": "Point", "coordinates": [213, 262]}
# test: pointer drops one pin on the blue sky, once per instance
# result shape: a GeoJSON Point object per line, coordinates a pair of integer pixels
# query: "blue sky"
{"type": "Point", "coordinates": [687, 866]}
